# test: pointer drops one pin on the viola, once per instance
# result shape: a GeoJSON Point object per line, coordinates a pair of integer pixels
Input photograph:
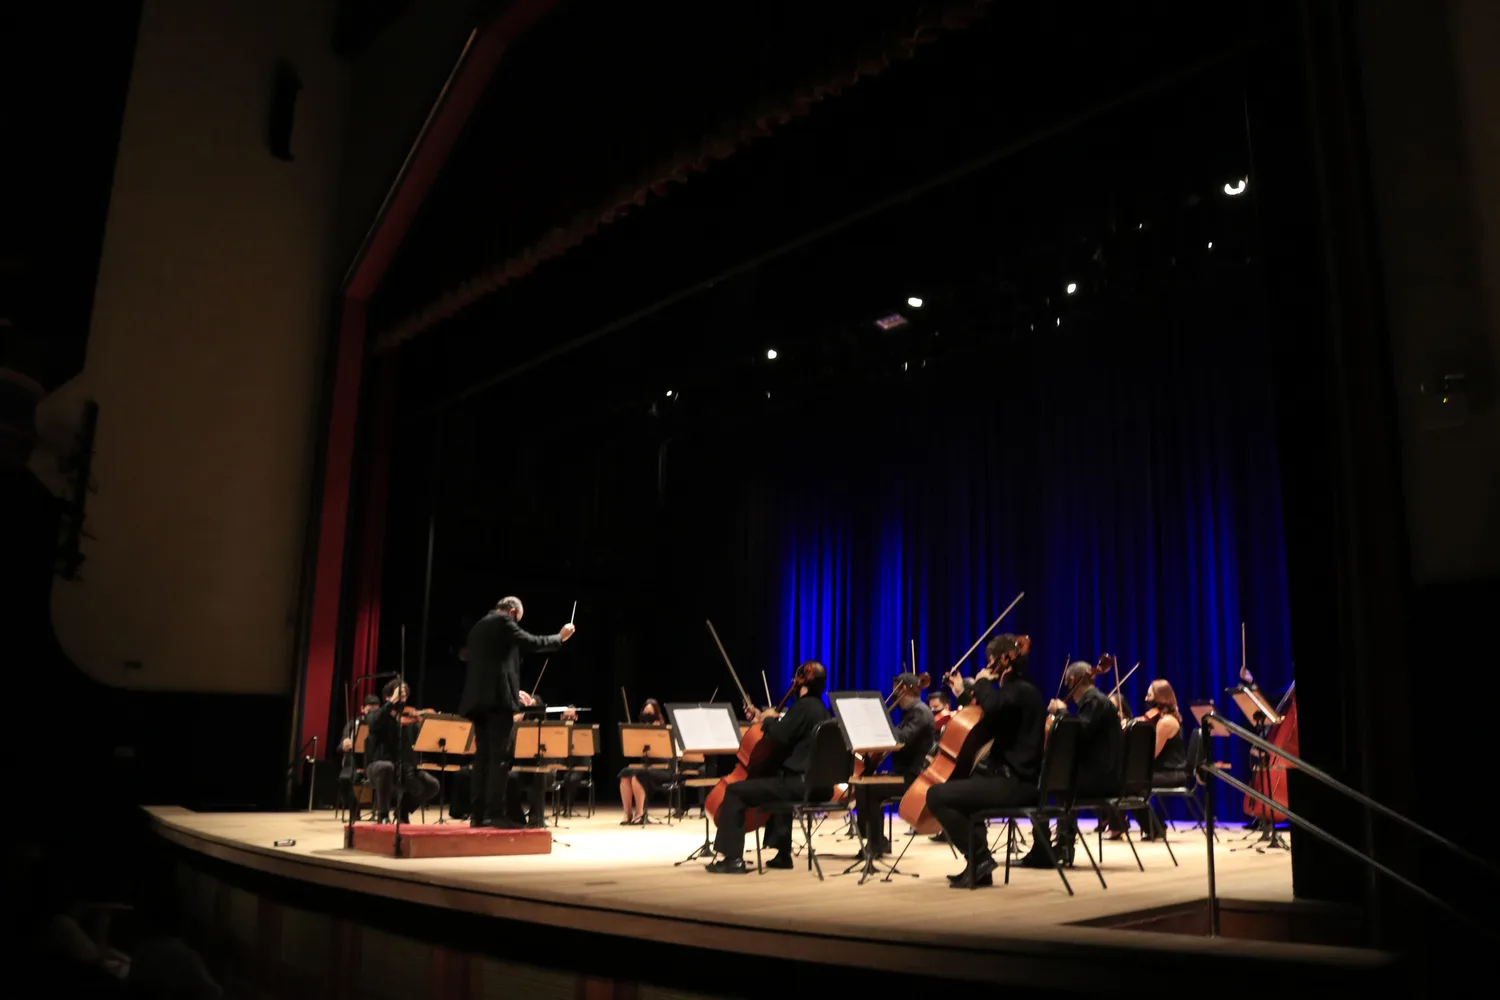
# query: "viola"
{"type": "Point", "coordinates": [965, 742]}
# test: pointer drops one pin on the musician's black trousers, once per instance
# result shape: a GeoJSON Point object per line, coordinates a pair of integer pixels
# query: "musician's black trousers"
{"type": "Point", "coordinates": [417, 787]}
{"type": "Point", "coordinates": [491, 768]}
{"type": "Point", "coordinates": [729, 839]}
{"type": "Point", "coordinates": [871, 817]}
{"type": "Point", "coordinates": [955, 803]}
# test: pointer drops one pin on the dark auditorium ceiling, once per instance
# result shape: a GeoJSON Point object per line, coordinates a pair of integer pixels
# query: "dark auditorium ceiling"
{"type": "Point", "coordinates": [599, 97]}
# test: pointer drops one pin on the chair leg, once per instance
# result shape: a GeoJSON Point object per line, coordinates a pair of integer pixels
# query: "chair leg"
{"type": "Point", "coordinates": [1010, 842]}
{"type": "Point", "coordinates": [1131, 841]}
{"type": "Point", "coordinates": [1167, 843]}
{"type": "Point", "coordinates": [1085, 842]}
{"type": "Point", "coordinates": [812, 853]}
{"type": "Point", "coordinates": [758, 866]}
{"type": "Point", "coordinates": [904, 847]}
{"type": "Point", "coordinates": [1046, 845]}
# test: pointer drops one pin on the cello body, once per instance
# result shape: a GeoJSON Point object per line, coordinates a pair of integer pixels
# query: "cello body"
{"type": "Point", "coordinates": [754, 760]}
{"type": "Point", "coordinates": [962, 747]}
{"type": "Point", "coordinates": [1269, 778]}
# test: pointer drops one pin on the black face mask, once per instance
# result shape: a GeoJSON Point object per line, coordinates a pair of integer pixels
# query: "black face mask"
{"type": "Point", "coordinates": [648, 716]}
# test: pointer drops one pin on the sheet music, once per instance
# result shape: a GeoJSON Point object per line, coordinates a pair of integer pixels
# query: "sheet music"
{"type": "Point", "coordinates": [706, 729]}
{"type": "Point", "coordinates": [866, 722]}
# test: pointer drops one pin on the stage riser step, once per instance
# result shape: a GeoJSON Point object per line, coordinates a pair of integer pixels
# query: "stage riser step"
{"type": "Point", "coordinates": [1312, 923]}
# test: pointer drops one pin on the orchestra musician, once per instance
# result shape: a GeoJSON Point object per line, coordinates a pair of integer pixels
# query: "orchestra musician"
{"type": "Point", "coordinates": [492, 701]}
{"type": "Point", "coordinates": [1122, 707]}
{"type": "Point", "coordinates": [1171, 764]}
{"type": "Point", "coordinates": [916, 733]}
{"type": "Point", "coordinates": [1100, 742]}
{"type": "Point", "coordinates": [392, 758]}
{"type": "Point", "coordinates": [525, 806]}
{"type": "Point", "coordinates": [637, 778]}
{"type": "Point", "coordinates": [1014, 713]}
{"type": "Point", "coordinates": [793, 735]}
{"type": "Point", "coordinates": [937, 704]}
{"type": "Point", "coordinates": [347, 768]}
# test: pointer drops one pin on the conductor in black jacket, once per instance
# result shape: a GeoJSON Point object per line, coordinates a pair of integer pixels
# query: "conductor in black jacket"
{"type": "Point", "coordinates": [492, 701]}
{"type": "Point", "coordinates": [793, 734]}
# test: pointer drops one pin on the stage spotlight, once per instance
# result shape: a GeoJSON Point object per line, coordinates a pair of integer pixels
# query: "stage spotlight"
{"type": "Point", "coordinates": [1072, 287]}
{"type": "Point", "coordinates": [669, 393]}
{"type": "Point", "coordinates": [771, 354]}
{"type": "Point", "coordinates": [1210, 244]}
{"type": "Point", "coordinates": [1238, 187]}
{"type": "Point", "coordinates": [1059, 321]}
{"type": "Point", "coordinates": [914, 302]}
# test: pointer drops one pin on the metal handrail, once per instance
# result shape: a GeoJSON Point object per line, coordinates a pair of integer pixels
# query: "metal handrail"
{"type": "Point", "coordinates": [1214, 720]}
{"type": "Point", "coordinates": [1206, 769]}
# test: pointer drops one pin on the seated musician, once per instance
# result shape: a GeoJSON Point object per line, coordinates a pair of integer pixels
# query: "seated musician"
{"type": "Point", "coordinates": [392, 758]}
{"type": "Point", "coordinates": [1099, 743]}
{"type": "Point", "coordinates": [526, 794]}
{"type": "Point", "coordinates": [792, 735]}
{"type": "Point", "coordinates": [1171, 765]}
{"type": "Point", "coordinates": [1122, 707]}
{"type": "Point", "coordinates": [347, 768]}
{"type": "Point", "coordinates": [638, 778]}
{"type": "Point", "coordinates": [1014, 713]}
{"type": "Point", "coordinates": [937, 704]}
{"type": "Point", "coordinates": [915, 733]}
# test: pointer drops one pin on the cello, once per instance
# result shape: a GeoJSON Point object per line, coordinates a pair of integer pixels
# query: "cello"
{"type": "Point", "coordinates": [963, 745]}
{"type": "Point", "coordinates": [756, 757]}
{"type": "Point", "coordinates": [1269, 777]}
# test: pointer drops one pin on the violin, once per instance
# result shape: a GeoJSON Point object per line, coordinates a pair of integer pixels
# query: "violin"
{"type": "Point", "coordinates": [1106, 663]}
{"type": "Point", "coordinates": [411, 716]}
{"type": "Point", "coordinates": [965, 742]}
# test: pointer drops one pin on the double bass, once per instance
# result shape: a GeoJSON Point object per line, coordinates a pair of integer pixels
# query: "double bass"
{"type": "Point", "coordinates": [963, 745]}
{"type": "Point", "coordinates": [1269, 775]}
{"type": "Point", "coordinates": [756, 757]}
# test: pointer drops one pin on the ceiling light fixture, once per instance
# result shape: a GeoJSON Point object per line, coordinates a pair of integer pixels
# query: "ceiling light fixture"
{"type": "Point", "coordinates": [771, 354]}
{"type": "Point", "coordinates": [1238, 187]}
{"type": "Point", "coordinates": [914, 302]}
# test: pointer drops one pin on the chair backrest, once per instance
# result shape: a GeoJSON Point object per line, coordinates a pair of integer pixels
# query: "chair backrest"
{"type": "Point", "coordinates": [1139, 758]}
{"type": "Point", "coordinates": [1195, 754]}
{"type": "Point", "coordinates": [1059, 777]}
{"type": "Point", "coordinates": [831, 763]}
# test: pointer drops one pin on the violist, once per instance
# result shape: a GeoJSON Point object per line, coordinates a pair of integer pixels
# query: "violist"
{"type": "Point", "coordinates": [1100, 740]}
{"type": "Point", "coordinates": [1014, 713]}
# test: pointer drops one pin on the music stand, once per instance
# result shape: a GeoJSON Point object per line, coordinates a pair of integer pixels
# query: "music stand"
{"type": "Point", "coordinates": [650, 743]}
{"type": "Point", "coordinates": [443, 735]}
{"type": "Point", "coordinates": [702, 729]}
{"type": "Point", "coordinates": [866, 724]}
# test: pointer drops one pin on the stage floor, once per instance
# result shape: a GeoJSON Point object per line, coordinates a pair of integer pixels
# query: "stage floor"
{"type": "Point", "coordinates": [611, 879]}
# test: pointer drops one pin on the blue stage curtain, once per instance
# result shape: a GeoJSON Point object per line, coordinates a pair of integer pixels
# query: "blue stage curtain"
{"type": "Point", "coordinates": [1131, 493]}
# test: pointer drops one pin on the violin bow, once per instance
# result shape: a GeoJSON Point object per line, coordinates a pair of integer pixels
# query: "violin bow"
{"type": "Point", "coordinates": [732, 675]}
{"type": "Point", "coordinates": [626, 699]}
{"type": "Point", "coordinates": [767, 685]}
{"type": "Point", "coordinates": [541, 674]}
{"type": "Point", "coordinates": [993, 625]}
{"type": "Point", "coordinates": [1062, 677]}
{"type": "Point", "coordinates": [1125, 678]}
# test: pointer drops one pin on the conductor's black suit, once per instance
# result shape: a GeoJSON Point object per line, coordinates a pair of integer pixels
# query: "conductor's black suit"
{"type": "Point", "coordinates": [492, 699]}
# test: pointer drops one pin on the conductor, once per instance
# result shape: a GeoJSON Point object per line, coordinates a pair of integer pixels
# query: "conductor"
{"type": "Point", "coordinates": [492, 701]}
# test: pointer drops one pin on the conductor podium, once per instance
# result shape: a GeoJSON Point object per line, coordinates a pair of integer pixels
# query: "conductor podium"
{"type": "Point", "coordinates": [449, 840]}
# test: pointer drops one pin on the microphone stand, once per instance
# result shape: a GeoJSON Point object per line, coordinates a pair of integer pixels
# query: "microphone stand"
{"type": "Point", "coordinates": [400, 775]}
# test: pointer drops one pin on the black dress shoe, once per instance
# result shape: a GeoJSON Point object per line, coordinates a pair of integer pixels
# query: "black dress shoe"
{"type": "Point", "coordinates": [983, 882]}
{"type": "Point", "coordinates": [727, 866]}
{"type": "Point", "coordinates": [504, 824]}
{"type": "Point", "coordinates": [781, 860]}
{"type": "Point", "coordinates": [982, 871]}
{"type": "Point", "coordinates": [1035, 859]}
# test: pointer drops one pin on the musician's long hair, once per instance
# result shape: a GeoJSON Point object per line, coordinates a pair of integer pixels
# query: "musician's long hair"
{"type": "Point", "coordinates": [1160, 693]}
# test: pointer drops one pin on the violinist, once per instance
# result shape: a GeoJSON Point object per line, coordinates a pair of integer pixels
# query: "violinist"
{"type": "Point", "coordinates": [1014, 713]}
{"type": "Point", "coordinates": [348, 769]}
{"type": "Point", "coordinates": [937, 704]}
{"type": "Point", "coordinates": [637, 778]}
{"type": "Point", "coordinates": [915, 733]}
{"type": "Point", "coordinates": [525, 802]}
{"type": "Point", "coordinates": [1171, 764]}
{"type": "Point", "coordinates": [392, 758]}
{"type": "Point", "coordinates": [1100, 741]}
{"type": "Point", "coordinates": [492, 701]}
{"type": "Point", "coordinates": [792, 735]}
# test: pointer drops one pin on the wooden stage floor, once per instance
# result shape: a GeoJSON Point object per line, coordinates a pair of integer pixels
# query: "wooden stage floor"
{"type": "Point", "coordinates": [617, 880]}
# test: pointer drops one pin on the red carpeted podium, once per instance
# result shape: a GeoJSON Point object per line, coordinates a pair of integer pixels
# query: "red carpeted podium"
{"type": "Point", "coordinates": [448, 840]}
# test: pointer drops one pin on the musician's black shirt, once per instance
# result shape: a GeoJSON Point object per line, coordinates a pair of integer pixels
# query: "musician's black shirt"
{"type": "Point", "coordinates": [388, 738]}
{"type": "Point", "coordinates": [1015, 715]}
{"type": "Point", "coordinates": [1100, 743]}
{"type": "Point", "coordinates": [793, 732]}
{"type": "Point", "coordinates": [915, 733]}
{"type": "Point", "coordinates": [1173, 756]}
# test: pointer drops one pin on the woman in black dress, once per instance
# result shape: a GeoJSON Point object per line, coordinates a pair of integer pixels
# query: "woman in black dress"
{"type": "Point", "coordinates": [637, 779]}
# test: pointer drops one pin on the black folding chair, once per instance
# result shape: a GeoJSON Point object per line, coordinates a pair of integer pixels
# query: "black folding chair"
{"type": "Point", "coordinates": [1135, 784]}
{"type": "Point", "coordinates": [831, 765]}
{"type": "Point", "coordinates": [1056, 788]}
{"type": "Point", "coordinates": [1187, 791]}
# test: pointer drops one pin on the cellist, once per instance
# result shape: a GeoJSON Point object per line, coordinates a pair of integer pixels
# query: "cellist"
{"type": "Point", "coordinates": [793, 734]}
{"type": "Point", "coordinates": [1014, 712]}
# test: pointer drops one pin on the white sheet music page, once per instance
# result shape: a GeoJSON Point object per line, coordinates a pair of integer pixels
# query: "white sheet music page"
{"type": "Point", "coordinates": [866, 722]}
{"type": "Point", "coordinates": [707, 730]}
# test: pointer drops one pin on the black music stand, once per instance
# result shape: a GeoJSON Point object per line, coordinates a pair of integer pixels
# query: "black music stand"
{"type": "Point", "coordinates": [1259, 713]}
{"type": "Point", "coordinates": [707, 729]}
{"type": "Point", "coordinates": [866, 725]}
